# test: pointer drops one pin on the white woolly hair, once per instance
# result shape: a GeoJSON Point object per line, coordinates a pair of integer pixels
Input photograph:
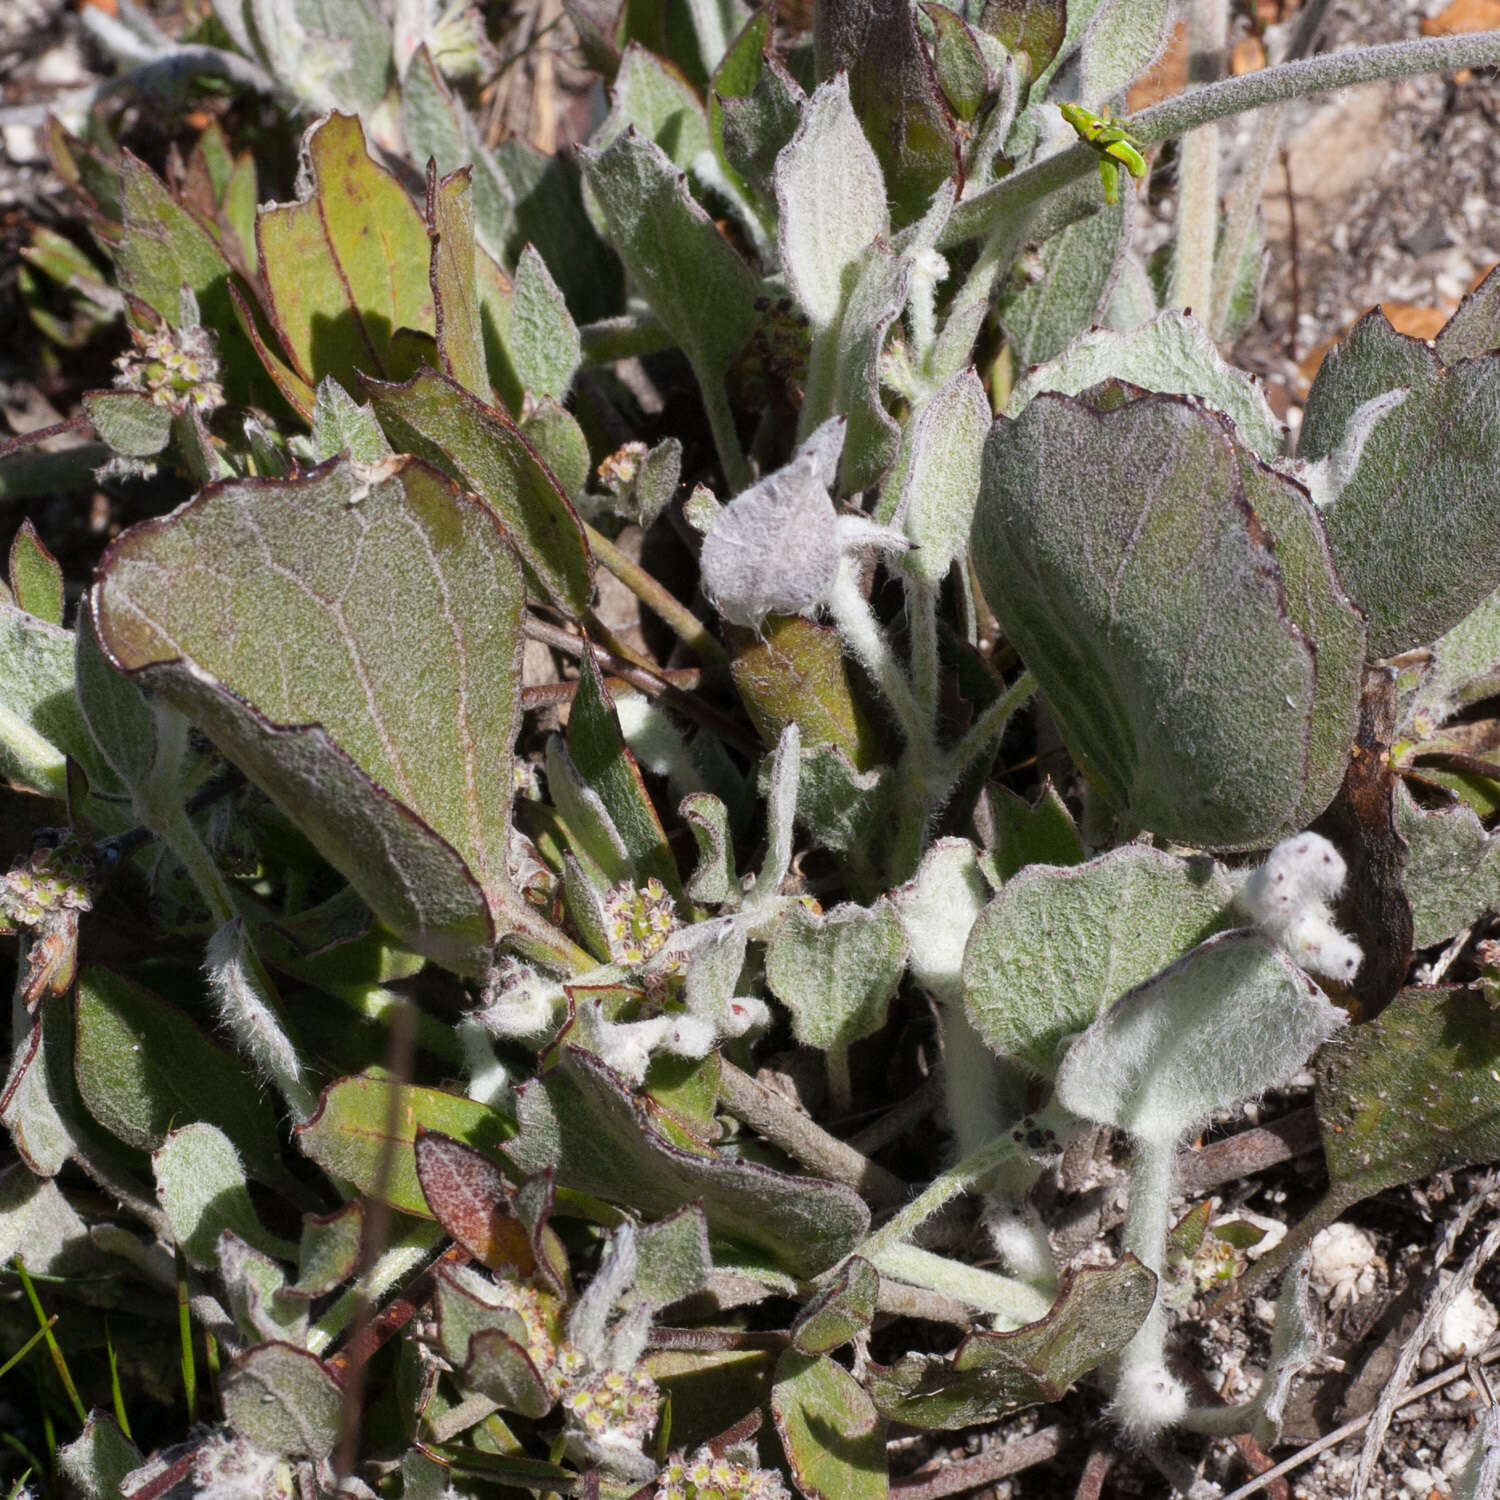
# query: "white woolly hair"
{"type": "Point", "coordinates": [1147, 1401]}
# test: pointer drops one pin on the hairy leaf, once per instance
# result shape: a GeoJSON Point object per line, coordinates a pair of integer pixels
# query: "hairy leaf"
{"type": "Point", "coordinates": [284, 1400]}
{"type": "Point", "coordinates": [352, 640]}
{"type": "Point", "coordinates": [1411, 526]}
{"type": "Point", "coordinates": [1057, 946]}
{"type": "Point", "coordinates": [1124, 559]}
{"type": "Point", "coordinates": [833, 1437]}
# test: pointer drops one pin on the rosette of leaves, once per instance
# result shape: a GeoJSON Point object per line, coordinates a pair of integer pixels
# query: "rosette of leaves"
{"type": "Point", "coordinates": [1177, 600]}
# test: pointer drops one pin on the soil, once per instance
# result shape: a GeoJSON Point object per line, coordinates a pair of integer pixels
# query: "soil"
{"type": "Point", "coordinates": [1388, 194]}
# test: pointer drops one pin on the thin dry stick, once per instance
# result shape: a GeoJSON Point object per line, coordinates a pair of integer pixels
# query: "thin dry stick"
{"type": "Point", "coordinates": [1437, 1298]}
{"type": "Point", "coordinates": [1349, 1429]}
{"type": "Point", "coordinates": [984, 1468]}
{"type": "Point", "coordinates": [897, 1120]}
{"type": "Point", "coordinates": [784, 1125]}
{"type": "Point", "coordinates": [1095, 1472]}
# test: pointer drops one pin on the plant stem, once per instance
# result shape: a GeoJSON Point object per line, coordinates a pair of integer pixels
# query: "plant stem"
{"type": "Point", "coordinates": [984, 212]}
{"type": "Point", "coordinates": [1147, 1219]}
{"type": "Point", "coordinates": [922, 633]}
{"type": "Point", "coordinates": [675, 615]}
{"type": "Point", "coordinates": [632, 334]}
{"type": "Point", "coordinates": [864, 637]}
{"type": "Point", "coordinates": [985, 730]}
{"type": "Point", "coordinates": [1198, 197]}
{"type": "Point", "coordinates": [1014, 1301]}
{"type": "Point", "coordinates": [840, 1081]}
{"type": "Point", "coordinates": [721, 423]}
{"type": "Point", "coordinates": [968, 1173]}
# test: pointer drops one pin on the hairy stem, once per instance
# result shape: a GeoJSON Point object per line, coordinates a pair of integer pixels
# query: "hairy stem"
{"type": "Point", "coordinates": [1152, 1172]}
{"type": "Point", "coordinates": [1198, 198]}
{"type": "Point", "coordinates": [675, 615]}
{"type": "Point", "coordinates": [863, 636]}
{"type": "Point", "coordinates": [984, 212]}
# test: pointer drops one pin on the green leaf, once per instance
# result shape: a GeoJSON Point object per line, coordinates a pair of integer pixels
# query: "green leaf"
{"type": "Point", "coordinates": [1413, 1092]}
{"type": "Point", "coordinates": [284, 1400]}
{"type": "Point", "coordinates": [129, 421]}
{"type": "Point", "coordinates": [1123, 39]}
{"type": "Point", "coordinates": [363, 1135]}
{"type": "Point", "coordinates": [40, 721]}
{"type": "Point", "coordinates": [346, 267]}
{"type": "Point", "coordinates": [672, 1257]}
{"type": "Point", "coordinates": [328, 1254]}
{"type": "Point", "coordinates": [895, 94]}
{"type": "Point", "coordinates": [842, 1310]}
{"type": "Point", "coordinates": [938, 473]}
{"type": "Point", "coordinates": [340, 425]}
{"type": "Point", "coordinates": [1124, 560]}
{"type": "Point", "coordinates": [557, 439]}
{"type": "Point", "coordinates": [1026, 833]}
{"type": "Point", "coordinates": [96, 1462]}
{"type": "Point", "coordinates": [1227, 1022]}
{"type": "Point", "coordinates": [991, 1374]}
{"type": "Point", "coordinates": [451, 274]}
{"type": "Point", "coordinates": [938, 908]}
{"type": "Point", "coordinates": [832, 205]}
{"type": "Point", "coordinates": [1172, 353]}
{"type": "Point", "coordinates": [836, 972]}
{"type": "Point", "coordinates": [1057, 947]}
{"type": "Point", "coordinates": [143, 1067]}
{"type": "Point", "coordinates": [1474, 329]}
{"type": "Point", "coordinates": [257, 1292]}
{"type": "Point", "coordinates": [1451, 874]}
{"type": "Point", "coordinates": [436, 419]}
{"type": "Point", "coordinates": [36, 580]}
{"type": "Point", "coordinates": [352, 640]}
{"type": "Point", "coordinates": [598, 750]}
{"type": "Point", "coordinates": [162, 249]}
{"type": "Point", "coordinates": [830, 1431]}
{"type": "Point", "coordinates": [36, 1105]}
{"type": "Point", "coordinates": [1322, 611]}
{"type": "Point", "coordinates": [740, 76]}
{"type": "Point", "coordinates": [958, 60]}
{"type": "Point", "coordinates": [1464, 667]}
{"type": "Point", "coordinates": [714, 880]}
{"type": "Point", "coordinates": [651, 97]}
{"type": "Point", "coordinates": [692, 277]}
{"type": "Point", "coordinates": [541, 338]}
{"type": "Point", "coordinates": [200, 1184]}
{"type": "Point", "coordinates": [1411, 526]}
{"type": "Point", "coordinates": [600, 1139]}
{"type": "Point", "coordinates": [755, 124]}
{"type": "Point", "coordinates": [795, 672]}
{"type": "Point", "coordinates": [875, 301]}
{"type": "Point", "coordinates": [1079, 268]}
{"type": "Point", "coordinates": [1032, 27]}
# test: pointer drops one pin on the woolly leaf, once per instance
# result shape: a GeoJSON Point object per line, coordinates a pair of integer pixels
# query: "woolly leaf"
{"type": "Point", "coordinates": [836, 972]}
{"type": "Point", "coordinates": [1056, 947]}
{"type": "Point", "coordinates": [1227, 1022]}
{"type": "Point", "coordinates": [1411, 524]}
{"type": "Point", "coordinates": [284, 1400]}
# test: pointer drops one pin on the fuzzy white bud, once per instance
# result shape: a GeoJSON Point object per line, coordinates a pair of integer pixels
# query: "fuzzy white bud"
{"type": "Point", "coordinates": [1287, 898]}
{"type": "Point", "coordinates": [1147, 1400]}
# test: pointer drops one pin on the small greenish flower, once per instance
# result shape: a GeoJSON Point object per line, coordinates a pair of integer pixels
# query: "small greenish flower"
{"type": "Point", "coordinates": [176, 368]}
{"type": "Point", "coordinates": [638, 922]}
{"type": "Point", "coordinates": [707, 1476]}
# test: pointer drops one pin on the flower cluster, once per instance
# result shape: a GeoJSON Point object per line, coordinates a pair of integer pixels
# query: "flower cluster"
{"type": "Point", "coordinates": [1288, 899]}
{"type": "Point", "coordinates": [638, 922]}
{"type": "Point", "coordinates": [41, 883]}
{"type": "Point", "coordinates": [176, 368]}
{"type": "Point", "coordinates": [706, 1477]}
{"type": "Point", "coordinates": [615, 1405]}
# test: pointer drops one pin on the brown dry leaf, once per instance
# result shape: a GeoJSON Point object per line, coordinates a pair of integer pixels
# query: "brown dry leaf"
{"type": "Point", "coordinates": [1168, 76]}
{"type": "Point", "coordinates": [1463, 15]}
{"type": "Point", "coordinates": [1247, 56]}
